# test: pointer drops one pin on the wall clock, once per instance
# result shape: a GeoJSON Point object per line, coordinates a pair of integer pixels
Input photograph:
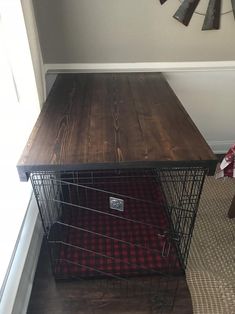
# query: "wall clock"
{"type": "Point", "coordinates": [211, 17]}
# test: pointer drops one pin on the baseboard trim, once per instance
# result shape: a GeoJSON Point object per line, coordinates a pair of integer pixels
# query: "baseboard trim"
{"type": "Point", "coordinates": [220, 147]}
{"type": "Point", "coordinates": [18, 286]}
{"type": "Point", "coordinates": [139, 67]}
{"type": "Point", "coordinates": [26, 282]}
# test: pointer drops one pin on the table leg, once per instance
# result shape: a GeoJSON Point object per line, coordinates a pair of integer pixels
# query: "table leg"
{"type": "Point", "coordinates": [231, 211]}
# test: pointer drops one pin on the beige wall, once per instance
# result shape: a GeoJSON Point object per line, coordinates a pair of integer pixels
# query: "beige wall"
{"type": "Point", "coordinates": [209, 98]}
{"type": "Point", "coordinates": [76, 31]}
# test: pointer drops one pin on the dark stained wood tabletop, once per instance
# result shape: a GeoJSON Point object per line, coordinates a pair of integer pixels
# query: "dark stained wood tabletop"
{"type": "Point", "coordinates": [113, 120]}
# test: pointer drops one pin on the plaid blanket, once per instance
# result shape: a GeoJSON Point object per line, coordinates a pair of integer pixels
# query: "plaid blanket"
{"type": "Point", "coordinates": [227, 166]}
{"type": "Point", "coordinates": [97, 241]}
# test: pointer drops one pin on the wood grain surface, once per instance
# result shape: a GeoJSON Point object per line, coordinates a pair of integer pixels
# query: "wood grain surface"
{"type": "Point", "coordinates": [84, 297]}
{"type": "Point", "coordinates": [113, 120]}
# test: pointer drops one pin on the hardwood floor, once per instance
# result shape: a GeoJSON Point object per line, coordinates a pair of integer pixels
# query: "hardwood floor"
{"type": "Point", "coordinates": [70, 297]}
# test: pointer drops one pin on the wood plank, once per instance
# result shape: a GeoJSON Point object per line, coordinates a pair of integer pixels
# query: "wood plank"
{"type": "Point", "coordinates": [113, 120]}
{"type": "Point", "coordinates": [70, 297]}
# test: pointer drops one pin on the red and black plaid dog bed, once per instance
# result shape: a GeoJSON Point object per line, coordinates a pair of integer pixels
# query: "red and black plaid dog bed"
{"type": "Point", "coordinates": [92, 240]}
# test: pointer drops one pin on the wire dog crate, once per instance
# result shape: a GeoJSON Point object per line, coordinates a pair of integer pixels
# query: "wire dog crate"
{"type": "Point", "coordinates": [120, 224]}
{"type": "Point", "coordinates": [129, 229]}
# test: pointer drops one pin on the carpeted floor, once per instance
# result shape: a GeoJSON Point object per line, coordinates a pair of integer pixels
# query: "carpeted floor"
{"type": "Point", "coordinates": [211, 265]}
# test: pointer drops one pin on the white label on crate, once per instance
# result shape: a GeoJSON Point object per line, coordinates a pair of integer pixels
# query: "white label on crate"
{"type": "Point", "coordinates": [116, 204]}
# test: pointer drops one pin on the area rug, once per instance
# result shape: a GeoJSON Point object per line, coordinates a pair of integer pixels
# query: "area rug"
{"type": "Point", "coordinates": [211, 265]}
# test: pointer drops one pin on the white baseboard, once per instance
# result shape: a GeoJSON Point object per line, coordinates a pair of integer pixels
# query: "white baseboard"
{"type": "Point", "coordinates": [30, 266]}
{"type": "Point", "coordinates": [20, 278]}
{"type": "Point", "coordinates": [220, 147]}
{"type": "Point", "coordinates": [139, 67]}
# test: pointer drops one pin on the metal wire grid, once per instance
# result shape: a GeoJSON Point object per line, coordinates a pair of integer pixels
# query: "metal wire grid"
{"type": "Point", "coordinates": [64, 197]}
{"type": "Point", "coordinates": [54, 191]}
{"type": "Point", "coordinates": [51, 197]}
{"type": "Point", "coordinates": [182, 189]}
{"type": "Point", "coordinates": [45, 191]}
